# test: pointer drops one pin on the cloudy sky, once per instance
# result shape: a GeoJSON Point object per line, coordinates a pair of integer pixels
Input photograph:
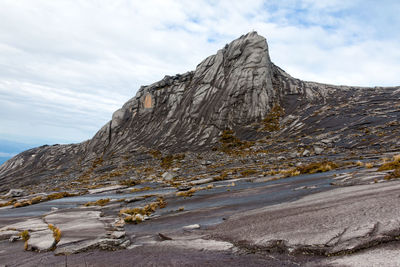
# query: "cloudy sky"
{"type": "Point", "coordinates": [65, 66]}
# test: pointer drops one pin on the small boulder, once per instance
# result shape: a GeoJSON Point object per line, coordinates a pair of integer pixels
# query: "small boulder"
{"type": "Point", "coordinates": [4, 235]}
{"type": "Point", "coordinates": [167, 176]}
{"type": "Point", "coordinates": [15, 193]}
{"type": "Point", "coordinates": [318, 150]}
{"type": "Point", "coordinates": [306, 153]}
{"type": "Point", "coordinates": [117, 234]}
{"type": "Point", "coordinates": [41, 240]}
{"type": "Point", "coordinates": [191, 227]}
{"type": "Point", "coordinates": [14, 238]}
{"type": "Point", "coordinates": [134, 199]}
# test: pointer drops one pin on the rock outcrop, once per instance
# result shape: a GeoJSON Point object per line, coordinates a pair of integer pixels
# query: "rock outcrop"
{"type": "Point", "coordinates": [236, 89]}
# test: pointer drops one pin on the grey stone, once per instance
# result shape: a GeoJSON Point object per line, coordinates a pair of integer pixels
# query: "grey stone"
{"type": "Point", "coordinates": [117, 234]}
{"type": "Point", "coordinates": [202, 181]}
{"type": "Point", "coordinates": [191, 227]}
{"type": "Point", "coordinates": [134, 199]}
{"type": "Point", "coordinates": [167, 176]}
{"type": "Point", "coordinates": [306, 153]}
{"type": "Point", "coordinates": [41, 240]}
{"type": "Point", "coordinates": [4, 235]}
{"type": "Point", "coordinates": [14, 238]}
{"type": "Point", "coordinates": [15, 193]}
{"type": "Point", "coordinates": [318, 150]}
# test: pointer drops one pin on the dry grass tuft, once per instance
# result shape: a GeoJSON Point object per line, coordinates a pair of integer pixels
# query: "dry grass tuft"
{"type": "Point", "coordinates": [59, 195]}
{"type": "Point", "coordinates": [391, 165]}
{"type": "Point", "coordinates": [369, 165]}
{"type": "Point", "coordinates": [10, 202]}
{"type": "Point", "coordinates": [231, 144]}
{"type": "Point", "coordinates": [56, 232]}
{"type": "Point", "coordinates": [187, 193]}
{"type": "Point", "coordinates": [393, 175]}
{"type": "Point", "coordinates": [311, 168]}
{"type": "Point", "coordinates": [248, 172]}
{"type": "Point", "coordinates": [271, 121]}
{"type": "Point", "coordinates": [136, 214]}
{"type": "Point", "coordinates": [100, 202]}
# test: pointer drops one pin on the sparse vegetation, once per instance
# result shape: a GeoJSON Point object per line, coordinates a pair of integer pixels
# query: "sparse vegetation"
{"type": "Point", "coordinates": [56, 232]}
{"type": "Point", "coordinates": [100, 202]}
{"type": "Point", "coordinates": [128, 182]}
{"type": "Point", "coordinates": [369, 165]}
{"type": "Point", "coordinates": [22, 203]}
{"type": "Point", "coordinates": [248, 172]}
{"type": "Point", "coordinates": [393, 175]}
{"type": "Point", "coordinates": [311, 168]}
{"type": "Point", "coordinates": [168, 161]}
{"type": "Point", "coordinates": [231, 144]}
{"type": "Point", "coordinates": [394, 164]}
{"type": "Point", "coordinates": [146, 188]}
{"type": "Point", "coordinates": [25, 237]}
{"type": "Point", "coordinates": [271, 121]}
{"type": "Point", "coordinates": [8, 203]}
{"type": "Point", "coordinates": [59, 195]}
{"type": "Point", "coordinates": [221, 177]}
{"type": "Point", "coordinates": [136, 214]}
{"type": "Point", "coordinates": [187, 193]}
{"type": "Point", "coordinates": [155, 154]}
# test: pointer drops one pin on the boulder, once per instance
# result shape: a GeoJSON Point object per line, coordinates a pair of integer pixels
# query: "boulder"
{"type": "Point", "coordinates": [15, 193]}
{"type": "Point", "coordinates": [191, 227]}
{"type": "Point", "coordinates": [318, 150]}
{"type": "Point", "coordinates": [4, 235]}
{"type": "Point", "coordinates": [41, 240]}
{"type": "Point", "coordinates": [167, 176]}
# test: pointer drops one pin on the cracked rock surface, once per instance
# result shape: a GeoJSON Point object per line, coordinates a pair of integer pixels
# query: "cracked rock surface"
{"type": "Point", "coordinates": [334, 222]}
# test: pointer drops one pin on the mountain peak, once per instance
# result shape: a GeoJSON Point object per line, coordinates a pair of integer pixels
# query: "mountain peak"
{"type": "Point", "coordinates": [238, 88]}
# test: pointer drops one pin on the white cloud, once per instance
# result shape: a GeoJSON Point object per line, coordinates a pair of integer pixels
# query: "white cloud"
{"type": "Point", "coordinates": [65, 66]}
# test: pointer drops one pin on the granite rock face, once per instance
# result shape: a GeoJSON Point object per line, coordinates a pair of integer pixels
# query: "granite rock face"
{"type": "Point", "coordinates": [236, 88]}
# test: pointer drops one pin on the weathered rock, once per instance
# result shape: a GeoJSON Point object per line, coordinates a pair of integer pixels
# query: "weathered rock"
{"type": "Point", "coordinates": [15, 193]}
{"type": "Point", "coordinates": [167, 176]}
{"type": "Point", "coordinates": [338, 221]}
{"type": "Point", "coordinates": [202, 181]}
{"type": "Point", "coordinates": [236, 88]}
{"type": "Point", "coordinates": [77, 226]}
{"type": "Point", "coordinates": [134, 199]}
{"type": "Point", "coordinates": [117, 234]}
{"type": "Point", "coordinates": [306, 153]}
{"type": "Point", "coordinates": [41, 240]}
{"type": "Point", "coordinates": [14, 238]}
{"type": "Point", "coordinates": [106, 189]}
{"type": "Point", "coordinates": [4, 235]}
{"type": "Point", "coordinates": [318, 150]}
{"type": "Point", "coordinates": [31, 225]}
{"type": "Point", "coordinates": [191, 227]}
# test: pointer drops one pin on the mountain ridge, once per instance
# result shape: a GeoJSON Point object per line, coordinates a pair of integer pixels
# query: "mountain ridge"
{"type": "Point", "coordinates": [234, 89]}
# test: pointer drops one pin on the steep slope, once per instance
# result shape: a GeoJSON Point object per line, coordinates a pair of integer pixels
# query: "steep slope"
{"type": "Point", "coordinates": [236, 89]}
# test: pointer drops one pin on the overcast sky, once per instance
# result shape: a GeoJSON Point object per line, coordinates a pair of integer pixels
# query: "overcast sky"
{"type": "Point", "coordinates": [66, 66]}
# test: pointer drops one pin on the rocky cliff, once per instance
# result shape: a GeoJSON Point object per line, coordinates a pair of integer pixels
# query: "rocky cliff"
{"type": "Point", "coordinates": [237, 88]}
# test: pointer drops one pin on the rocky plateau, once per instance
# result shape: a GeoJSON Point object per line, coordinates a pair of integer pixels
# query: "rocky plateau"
{"type": "Point", "coordinates": [234, 163]}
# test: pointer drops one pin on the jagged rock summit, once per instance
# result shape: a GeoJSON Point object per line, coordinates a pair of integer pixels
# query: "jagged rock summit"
{"type": "Point", "coordinates": [234, 89]}
{"type": "Point", "coordinates": [231, 89]}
